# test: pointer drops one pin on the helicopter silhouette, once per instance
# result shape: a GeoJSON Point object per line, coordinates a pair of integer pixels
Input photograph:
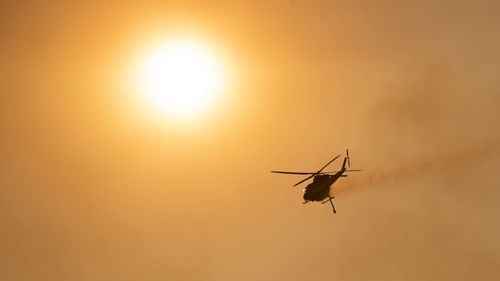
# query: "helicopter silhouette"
{"type": "Point", "coordinates": [319, 189]}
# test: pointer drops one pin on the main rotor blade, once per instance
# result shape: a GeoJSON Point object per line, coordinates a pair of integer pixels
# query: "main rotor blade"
{"type": "Point", "coordinates": [334, 172]}
{"type": "Point", "coordinates": [293, 173]}
{"type": "Point", "coordinates": [307, 173]}
{"type": "Point", "coordinates": [318, 172]}
{"type": "Point", "coordinates": [327, 164]}
{"type": "Point", "coordinates": [305, 179]}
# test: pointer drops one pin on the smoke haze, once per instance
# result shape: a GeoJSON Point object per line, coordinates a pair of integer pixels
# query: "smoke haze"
{"type": "Point", "coordinates": [90, 189]}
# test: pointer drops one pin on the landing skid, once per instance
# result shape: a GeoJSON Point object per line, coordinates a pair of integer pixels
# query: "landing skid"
{"type": "Point", "coordinates": [323, 202]}
{"type": "Point", "coordinates": [330, 200]}
{"type": "Point", "coordinates": [333, 207]}
{"type": "Point", "coordinates": [326, 201]}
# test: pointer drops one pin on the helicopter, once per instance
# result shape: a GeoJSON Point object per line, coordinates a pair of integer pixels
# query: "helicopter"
{"type": "Point", "coordinates": [319, 189]}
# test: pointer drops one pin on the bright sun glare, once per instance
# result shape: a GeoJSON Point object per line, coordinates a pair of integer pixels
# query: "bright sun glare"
{"type": "Point", "coordinates": [179, 79]}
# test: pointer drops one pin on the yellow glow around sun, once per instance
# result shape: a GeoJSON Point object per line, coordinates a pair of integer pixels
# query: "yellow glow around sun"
{"type": "Point", "coordinates": [179, 79]}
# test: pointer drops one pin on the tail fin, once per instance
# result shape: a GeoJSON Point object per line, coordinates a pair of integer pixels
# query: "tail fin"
{"type": "Point", "coordinates": [343, 164]}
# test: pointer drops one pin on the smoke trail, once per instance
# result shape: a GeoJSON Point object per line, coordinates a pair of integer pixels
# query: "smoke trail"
{"type": "Point", "coordinates": [469, 157]}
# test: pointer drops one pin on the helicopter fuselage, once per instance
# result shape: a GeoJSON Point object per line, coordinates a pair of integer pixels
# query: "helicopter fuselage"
{"type": "Point", "coordinates": [319, 189]}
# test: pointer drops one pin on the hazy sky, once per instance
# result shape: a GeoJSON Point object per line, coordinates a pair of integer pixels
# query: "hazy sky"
{"type": "Point", "coordinates": [93, 189]}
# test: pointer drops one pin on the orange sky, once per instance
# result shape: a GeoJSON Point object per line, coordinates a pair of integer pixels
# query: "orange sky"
{"type": "Point", "coordinates": [91, 189]}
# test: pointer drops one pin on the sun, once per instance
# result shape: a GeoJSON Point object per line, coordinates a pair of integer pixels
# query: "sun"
{"type": "Point", "coordinates": [179, 79]}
